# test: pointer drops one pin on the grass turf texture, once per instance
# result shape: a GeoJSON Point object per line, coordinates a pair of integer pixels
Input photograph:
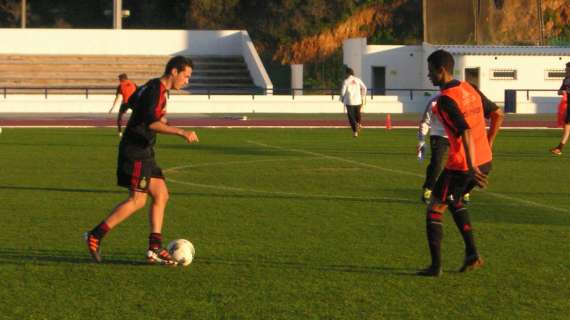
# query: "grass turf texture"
{"type": "Point", "coordinates": [287, 224]}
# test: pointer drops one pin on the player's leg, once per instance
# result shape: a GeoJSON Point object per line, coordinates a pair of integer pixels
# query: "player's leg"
{"type": "Point", "coordinates": [434, 225]}
{"type": "Point", "coordinates": [120, 122]}
{"type": "Point", "coordinates": [159, 194]}
{"type": "Point", "coordinates": [358, 118]}
{"type": "Point", "coordinates": [565, 134]}
{"type": "Point", "coordinates": [120, 213]}
{"type": "Point", "coordinates": [465, 183]}
{"type": "Point", "coordinates": [351, 114]}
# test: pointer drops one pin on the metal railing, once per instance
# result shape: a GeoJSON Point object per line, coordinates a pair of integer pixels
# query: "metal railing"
{"type": "Point", "coordinates": [253, 91]}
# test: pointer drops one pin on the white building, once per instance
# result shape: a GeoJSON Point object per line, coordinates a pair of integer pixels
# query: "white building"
{"type": "Point", "coordinates": [493, 68]}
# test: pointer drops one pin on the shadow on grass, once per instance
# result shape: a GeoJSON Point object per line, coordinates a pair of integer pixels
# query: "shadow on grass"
{"type": "Point", "coordinates": [236, 194]}
{"type": "Point", "coordinates": [43, 257]}
{"type": "Point", "coordinates": [54, 189]}
{"type": "Point", "coordinates": [40, 257]}
{"type": "Point", "coordinates": [287, 265]}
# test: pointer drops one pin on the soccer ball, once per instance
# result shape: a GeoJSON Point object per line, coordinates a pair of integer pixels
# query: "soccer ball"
{"type": "Point", "coordinates": [182, 251]}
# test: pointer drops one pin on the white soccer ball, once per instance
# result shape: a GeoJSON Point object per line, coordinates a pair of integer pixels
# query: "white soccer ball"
{"type": "Point", "coordinates": [182, 251]}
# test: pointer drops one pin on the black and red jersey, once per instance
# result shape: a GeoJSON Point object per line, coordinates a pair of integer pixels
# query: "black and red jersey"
{"type": "Point", "coordinates": [149, 105]}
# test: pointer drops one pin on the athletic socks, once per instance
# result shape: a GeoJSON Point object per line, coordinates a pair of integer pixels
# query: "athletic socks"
{"type": "Point", "coordinates": [463, 223]}
{"type": "Point", "coordinates": [560, 146]}
{"type": "Point", "coordinates": [434, 230]}
{"type": "Point", "coordinates": [154, 241]}
{"type": "Point", "coordinates": [100, 230]}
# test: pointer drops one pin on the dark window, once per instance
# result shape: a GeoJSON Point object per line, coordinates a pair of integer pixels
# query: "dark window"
{"type": "Point", "coordinates": [504, 75]}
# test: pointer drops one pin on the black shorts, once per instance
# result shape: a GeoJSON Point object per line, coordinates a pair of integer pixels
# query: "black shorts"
{"type": "Point", "coordinates": [567, 119]}
{"type": "Point", "coordinates": [135, 171]}
{"type": "Point", "coordinates": [452, 185]}
{"type": "Point", "coordinates": [124, 107]}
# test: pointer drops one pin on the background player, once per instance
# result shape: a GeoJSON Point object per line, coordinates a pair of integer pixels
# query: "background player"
{"type": "Point", "coordinates": [124, 91]}
{"type": "Point", "coordinates": [136, 166]}
{"type": "Point", "coordinates": [563, 91]}
{"type": "Point", "coordinates": [353, 96]}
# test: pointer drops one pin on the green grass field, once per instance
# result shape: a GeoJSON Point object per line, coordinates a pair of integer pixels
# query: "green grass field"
{"type": "Point", "coordinates": [287, 224]}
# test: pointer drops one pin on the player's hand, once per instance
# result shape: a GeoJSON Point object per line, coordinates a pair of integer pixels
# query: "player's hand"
{"type": "Point", "coordinates": [190, 136]}
{"type": "Point", "coordinates": [480, 178]}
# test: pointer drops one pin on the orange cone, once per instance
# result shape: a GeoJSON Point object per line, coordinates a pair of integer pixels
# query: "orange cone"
{"type": "Point", "coordinates": [388, 122]}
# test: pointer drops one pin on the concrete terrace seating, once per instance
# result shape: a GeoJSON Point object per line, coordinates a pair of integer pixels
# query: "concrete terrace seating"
{"type": "Point", "coordinates": [21, 73]}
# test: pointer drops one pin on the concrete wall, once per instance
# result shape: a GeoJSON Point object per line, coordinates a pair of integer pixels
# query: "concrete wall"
{"type": "Point", "coordinates": [136, 42]}
{"type": "Point", "coordinates": [204, 104]}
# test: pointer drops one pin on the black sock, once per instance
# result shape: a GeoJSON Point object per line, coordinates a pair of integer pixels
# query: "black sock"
{"type": "Point", "coordinates": [434, 229]}
{"type": "Point", "coordinates": [560, 146]}
{"type": "Point", "coordinates": [100, 230]}
{"type": "Point", "coordinates": [154, 241]}
{"type": "Point", "coordinates": [463, 223]}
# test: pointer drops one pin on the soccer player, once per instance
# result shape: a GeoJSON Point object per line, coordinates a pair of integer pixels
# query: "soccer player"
{"type": "Point", "coordinates": [461, 109]}
{"type": "Point", "coordinates": [438, 145]}
{"type": "Point", "coordinates": [125, 89]}
{"type": "Point", "coordinates": [136, 167]}
{"type": "Point", "coordinates": [353, 96]}
{"type": "Point", "coordinates": [563, 91]}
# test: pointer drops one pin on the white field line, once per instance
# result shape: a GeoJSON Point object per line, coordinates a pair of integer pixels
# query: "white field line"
{"type": "Point", "coordinates": [228, 163]}
{"type": "Point", "coordinates": [289, 194]}
{"type": "Point", "coordinates": [495, 194]}
{"type": "Point", "coordinates": [316, 154]}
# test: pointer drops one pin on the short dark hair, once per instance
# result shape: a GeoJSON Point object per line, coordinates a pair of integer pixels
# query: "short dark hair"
{"type": "Point", "coordinates": [442, 59]}
{"type": "Point", "coordinates": [567, 64]}
{"type": "Point", "coordinates": [123, 76]}
{"type": "Point", "coordinates": [179, 63]}
{"type": "Point", "coordinates": [348, 71]}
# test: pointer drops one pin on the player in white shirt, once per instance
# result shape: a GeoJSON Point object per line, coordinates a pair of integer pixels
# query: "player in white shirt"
{"type": "Point", "coordinates": [353, 96]}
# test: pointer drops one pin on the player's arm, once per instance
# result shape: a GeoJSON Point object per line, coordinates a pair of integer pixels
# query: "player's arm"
{"type": "Point", "coordinates": [493, 112]}
{"type": "Point", "coordinates": [563, 87]}
{"type": "Point", "coordinates": [469, 145]}
{"type": "Point", "coordinates": [161, 127]}
{"type": "Point", "coordinates": [363, 92]}
{"type": "Point", "coordinates": [117, 98]}
{"type": "Point", "coordinates": [343, 91]}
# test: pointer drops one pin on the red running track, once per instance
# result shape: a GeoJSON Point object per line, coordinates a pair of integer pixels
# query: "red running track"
{"type": "Point", "coordinates": [85, 121]}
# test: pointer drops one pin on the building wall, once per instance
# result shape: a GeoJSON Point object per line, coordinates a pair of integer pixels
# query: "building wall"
{"type": "Point", "coordinates": [406, 67]}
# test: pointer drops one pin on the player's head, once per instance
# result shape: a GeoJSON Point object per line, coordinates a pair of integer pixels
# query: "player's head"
{"type": "Point", "coordinates": [179, 68]}
{"type": "Point", "coordinates": [568, 69]}
{"type": "Point", "coordinates": [348, 71]}
{"type": "Point", "coordinates": [440, 67]}
{"type": "Point", "coordinates": [123, 76]}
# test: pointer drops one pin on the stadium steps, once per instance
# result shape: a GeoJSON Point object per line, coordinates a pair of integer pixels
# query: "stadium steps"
{"type": "Point", "coordinates": [220, 74]}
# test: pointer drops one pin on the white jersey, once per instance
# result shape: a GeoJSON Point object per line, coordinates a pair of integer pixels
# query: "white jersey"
{"type": "Point", "coordinates": [430, 122]}
{"type": "Point", "coordinates": [353, 91]}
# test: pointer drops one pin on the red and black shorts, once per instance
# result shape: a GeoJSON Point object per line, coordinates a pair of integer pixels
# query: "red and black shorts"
{"type": "Point", "coordinates": [452, 185]}
{"type": "Point", "coordinates": [135, 167]}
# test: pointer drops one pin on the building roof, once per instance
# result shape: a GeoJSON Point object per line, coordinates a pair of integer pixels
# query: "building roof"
{"type": "Point", "coordinates": [496, 50]}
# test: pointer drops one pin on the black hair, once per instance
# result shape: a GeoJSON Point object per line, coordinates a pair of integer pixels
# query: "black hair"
{"type": "Point", "coordinates": [123, 76]}
{"type": "Point", "coordinates": [179, 63]}
{"type": "Point", "coordinates": [442, 59]}
{"type": "Point", "coordinates": [348, 71]}
{"type": "Point", "coordinates": [567, 64]}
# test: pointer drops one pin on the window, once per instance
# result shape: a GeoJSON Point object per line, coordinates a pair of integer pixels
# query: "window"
{"type": "Point", "coordinates": [504, 74]}
{"type": "Point", "coordinates": [554, 74]}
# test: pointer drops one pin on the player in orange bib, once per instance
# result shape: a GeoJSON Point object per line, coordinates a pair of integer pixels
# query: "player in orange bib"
{"type": "Point", "coordinates": [462, 110]}
{"type": "Point", "coordinates": [563, 112]}
{"type": "Point", "coordinates": [124, 90]}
